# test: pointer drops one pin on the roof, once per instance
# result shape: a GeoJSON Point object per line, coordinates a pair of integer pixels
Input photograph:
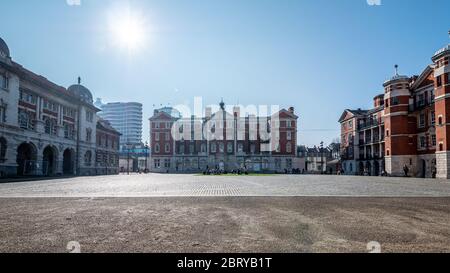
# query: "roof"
{"type": "Point", "coordinates": [4, 48]}
{"type": "Point", "coordinates": [106, 126]}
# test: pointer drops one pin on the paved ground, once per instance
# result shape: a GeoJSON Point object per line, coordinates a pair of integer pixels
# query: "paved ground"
{"type": "Point", "coordinates": [154, 185]}
{"type": "Point", "coordinates": [189, 213]}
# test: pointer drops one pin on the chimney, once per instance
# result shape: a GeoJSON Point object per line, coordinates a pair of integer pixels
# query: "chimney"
{"type": "Point", "coordinates": [237, 111]}
{"type": "Point", "coordinates": [291, 110]}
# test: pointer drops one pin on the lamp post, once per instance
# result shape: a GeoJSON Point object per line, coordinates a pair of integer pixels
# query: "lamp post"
{"type": "Point", "coordinates": [128, 145]}
{"type": "Point", "coordinates": [321, 156]}
{"type": "Point", "coordinates": [146, 157]}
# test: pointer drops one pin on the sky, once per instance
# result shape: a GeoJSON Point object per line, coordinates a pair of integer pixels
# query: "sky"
{"type": "Point", "coordinates": [319, 56]}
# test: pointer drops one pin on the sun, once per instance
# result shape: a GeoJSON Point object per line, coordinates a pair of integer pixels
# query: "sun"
{"type": "Point", "coordinates": [128, 30]}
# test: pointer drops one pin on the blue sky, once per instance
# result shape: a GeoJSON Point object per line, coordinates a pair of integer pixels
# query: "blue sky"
{"type": "Point", "coordinates": [320, 56]}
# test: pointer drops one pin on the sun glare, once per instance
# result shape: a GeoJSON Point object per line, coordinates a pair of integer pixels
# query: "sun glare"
{"type": "Point", "coordinates": [128, 30]}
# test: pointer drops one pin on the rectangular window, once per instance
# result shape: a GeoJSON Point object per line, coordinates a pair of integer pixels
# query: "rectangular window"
{"type": "Point", "coordinates": [422, 120]}
{"type": "Point", "coordinates": [422, 142]}
{"type": "Point", "coordinates": [89, 116]}
{"type": "Point", "coordinates": [157, 136]}
{"type": "Point", "coordinates": [433, 140]}
{"type": "Point", "coordinates": [4, 82]}
{"type": "Point", "coordinates": [167, 136]}
{"type": "Point", "coordinates": [439, 81]}
{"type": "Point", "coordinates": [289, 124]}
{"type": "Point", "coordinates": [289, 135]}
{"type": "Point", "coordinates": [433, 118]}
{"type": "Point", "coordinates": [395, 101]}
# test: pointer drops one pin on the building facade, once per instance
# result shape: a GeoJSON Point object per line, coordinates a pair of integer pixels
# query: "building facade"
{"type": "Point", "coordinates": [222, 140]}
{"type": "Point", "coordinates": [45, 129]}
{"type": "Point", "coordinates": [125, 117]}
{"type": "Point", "coordinates": [107, 151]}
{"type": "Point", "coordinates": [408, 126]}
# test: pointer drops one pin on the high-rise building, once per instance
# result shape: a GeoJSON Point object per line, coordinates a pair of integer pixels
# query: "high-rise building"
{"type": "Point", "coordinates": [125, 117]}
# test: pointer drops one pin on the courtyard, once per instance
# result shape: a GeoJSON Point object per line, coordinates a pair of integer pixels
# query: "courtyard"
{"type": "Point", "coordinates": [194, 213]}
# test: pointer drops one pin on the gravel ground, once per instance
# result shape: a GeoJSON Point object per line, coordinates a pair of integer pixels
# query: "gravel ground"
{"type": "Point", "coordinates": [225, 224]}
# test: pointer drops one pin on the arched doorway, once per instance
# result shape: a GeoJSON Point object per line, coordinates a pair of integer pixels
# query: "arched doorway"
{"type": "Point", "coordinates": [68, 162]}
{"type": "Point", "coordinates": [376, 168]}
{"type": "Point", "coordinates": [26, 159]}
{"type": "Point", "coordinates": [361, 168]}
{"type": "Point", "coordinates": [49, 161]}
{"type": "Point", "coordinates": [369, 168]}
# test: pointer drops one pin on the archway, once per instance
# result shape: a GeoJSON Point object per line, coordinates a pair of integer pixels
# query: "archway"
{"type": "Point", "coordinates": [376, 168]}
{"type": "Point", "coordinates": [68, 158]}
{"type": "Point", "coordinates": [49, 161]}
{"type": "Point", "coordinates": [26, 159]}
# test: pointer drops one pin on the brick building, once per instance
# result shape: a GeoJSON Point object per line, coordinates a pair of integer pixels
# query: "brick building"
{"type": "Point", "coordinates": [408, 125]}
{"type": "Point", "coordinates": [222, 140]}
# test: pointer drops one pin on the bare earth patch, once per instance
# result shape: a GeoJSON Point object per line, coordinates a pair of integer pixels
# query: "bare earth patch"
{"type": "Point", "coordinates": [225, 224]}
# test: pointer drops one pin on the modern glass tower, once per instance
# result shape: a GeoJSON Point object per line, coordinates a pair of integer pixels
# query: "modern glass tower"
{"type": "Point", "coordinates": [125, 117]}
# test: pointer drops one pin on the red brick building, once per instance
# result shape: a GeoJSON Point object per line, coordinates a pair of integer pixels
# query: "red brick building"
{"type": "Point", "coordinates": [408, 126]}
{"type": "Point", "coordinates": [222, 140]}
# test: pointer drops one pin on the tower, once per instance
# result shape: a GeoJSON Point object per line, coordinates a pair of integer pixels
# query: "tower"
{"type": "Point", "coordinates": [399, 150]}
{"type": "Point", "coordinates": [442, 110]}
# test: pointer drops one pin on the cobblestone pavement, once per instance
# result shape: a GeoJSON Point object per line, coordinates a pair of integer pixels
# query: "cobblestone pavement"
{"type": "Point", "coordinates": [168, 185]}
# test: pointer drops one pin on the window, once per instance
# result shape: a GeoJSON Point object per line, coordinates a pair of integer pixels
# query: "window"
{"type": "Point", "coordinates": [440, 122]}
{"type": "Point", "coordinates": [25, 120]}
{"type": "Point", "coordinates": [157, 163]}
{"type": "Point", "coordinates": [213, 148]}
{"type": "Point", "coordinates": [289, 148]}
{"type": "Point", "coordinates": [167, 138]}
{"type": "Point", "coordinates": [433, 140]}
{"type": "Point", "coordinates": [395, 101]}
{"type": "Point", "coordinates": [89, 116]}
{"type": "Point", "coordinates": [28, 98]}
{"type": "Point", "coordinates": [439, 81]}
{"type": "Point", "coordinates": [289, 135]}
{"type": "Point", "coordinates": [181, 149]}
{"type": "Point", "coordinates": [421, 100]}
{"type": "Point", "coordinates": [252, 148]}
{"type": "Point", "coordinates": [433, 118]}
{"type": "Point", "coordinates": [422, 142]}
{"type": "Point", "coordinates": [387, 133]}
{"type": "Point", "coordinates": [167, 148]}
{"type": "Point", "coordinates": [48, 125]}
{"type": "Point", "coordinates": [157, 148]}
{"type": "Point", "coordinates": [167, 163]}
{"type": "Point", "coordinates": [68, 130]}
{"type": "Point", "coordinates": [432, 96]}
{"type": "Point", "coordinates": [421, 120]}
{"type": "Point", "coordinates": [221, 147]}
{"type": "Point", "coordinates": [2, 111]}
{"type": "Point", "coordinates": [240, 148]}
{"type": "Point", "coordinates": [88, 135]}
{"type": "Point", "coordinates": [441, 146]}
{"type": "Point", "coordinates": [4, 82]}
{"type": "Point", "coordinates": [157, 136]}
{"type": "Point", "coordinates": [203, 148]}
{"type": "Point", "coordinates": [191, 149]}
{"type": "Point", "coordinates": [289, 124]}
{"type": "Point", "coordinates": [156, 125]}
{"type": "Point", "coordinates": [230, 148]}
{"type": "Point", "coordinates": [3, 146]}
{"type": "Point", "coordinates": [350, 124]}
{"type": "Point", "coordinates": [88, 158]}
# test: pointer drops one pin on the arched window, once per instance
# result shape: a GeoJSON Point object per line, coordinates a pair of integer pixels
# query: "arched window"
{"type": "Point", "coordinates": [3, 147]}
{"type": "Point", "coordinates": [167, 148]}
{"type": "Point", "coordinates": [157, 148]}
{"type": "Point", "coordinates": [88, 158]}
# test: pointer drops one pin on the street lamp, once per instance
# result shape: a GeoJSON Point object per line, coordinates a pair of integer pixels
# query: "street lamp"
{"type": "Point", "coordinates": [146, 156]}
{"type": "Point", "coordinates": [321, 157]}
{"type": "Point", "coordinates": [128, 146]}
